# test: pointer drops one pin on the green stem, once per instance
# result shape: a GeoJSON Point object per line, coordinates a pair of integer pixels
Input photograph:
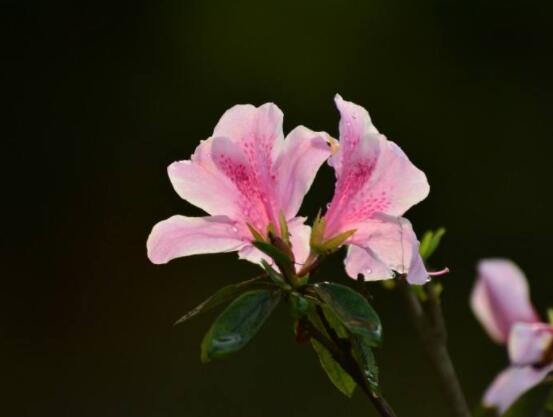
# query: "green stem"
{"type": "Point", "coordinates": [344, 357]}
{"type": "Point", "coordinates": [430, 326]}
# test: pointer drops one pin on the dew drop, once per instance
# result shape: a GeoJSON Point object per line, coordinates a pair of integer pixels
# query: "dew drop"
{"type": "Point", "coordinates": [368, 271]}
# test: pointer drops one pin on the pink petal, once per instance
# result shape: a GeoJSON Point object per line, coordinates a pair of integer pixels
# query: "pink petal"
{"type": "Point", "coordinates": [254, 196]}
{"type": "Point", "coordinates": [356, 133]}
{"type": "Point", "coordinates": [529, 343]}
{"type": "Point", "coordinates": [183, 236]}
{"type": "Point", "coordinates": [510, 384]}
{"type": "Point", "coordinates": [363, 261]}
{"type": "Point", "coordinates": [500, 298]}
{"type": "Point", "coordinates": [382, 245]}
{"type": "Point", "coordinates": [251, 254]}
{"type": "Point", "coordinates": [373, 174]}
{"type": "Point", "coordinates": [202, 184]}
{"type": "Point", "coordinates": [257, 129]}
{"type": "Point", "coordinates": [300, 234]}
{"type": "Point", "coordinates": [302, 154]}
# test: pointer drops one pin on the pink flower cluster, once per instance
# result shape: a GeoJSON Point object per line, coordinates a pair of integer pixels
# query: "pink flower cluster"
{"type": "Point", "coordinates": [501, 301]}
{"type": "Point", "coordinates": [247, 175]}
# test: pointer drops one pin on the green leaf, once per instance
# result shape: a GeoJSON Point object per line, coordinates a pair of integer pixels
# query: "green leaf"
{"type": "Point", "coordinates": [430, 242]}
{"type": "Point", "coordinates": [276, 254]}
{"type": "Point", "coordinates": [364, 356]}
{"type": "Point", "coordinates": [340, 378]}
{"type": "Point", "coordinates": [225, 294]}
{"type": "Point", "coordinates": [335, 322]}
{"type": "Point", "coordinates": [275, 276]}
{"type": "Point", "coordinates": [238, 323]}
{"type": "Point", "coordinates": [300, 305]}
{"type": "Point", "coordinates": [351, 308]}
{"type": "Point", "coordinates": [537, 402]}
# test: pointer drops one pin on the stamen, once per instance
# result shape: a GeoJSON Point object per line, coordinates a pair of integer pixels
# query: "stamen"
{"type": "Point", "coordinates": [440, 272]}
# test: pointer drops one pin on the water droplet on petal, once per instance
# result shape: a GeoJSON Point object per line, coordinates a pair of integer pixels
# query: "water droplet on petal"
{"type": "Point", "coordinates": [368, 271]}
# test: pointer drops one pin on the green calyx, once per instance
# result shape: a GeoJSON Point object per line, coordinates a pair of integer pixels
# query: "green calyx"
{"type": "Point", "coordinates": [323, 246]}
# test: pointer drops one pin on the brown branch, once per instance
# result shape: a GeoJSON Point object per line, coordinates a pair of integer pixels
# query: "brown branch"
{"type": "Point", "coordinates": [431, 329]}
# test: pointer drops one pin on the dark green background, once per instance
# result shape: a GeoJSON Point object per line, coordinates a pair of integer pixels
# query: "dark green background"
{"type": "Point", "coordinates": [107, 95]}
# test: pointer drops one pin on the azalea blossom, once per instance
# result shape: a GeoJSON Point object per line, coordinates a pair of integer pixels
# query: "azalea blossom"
{"type": "Point", "coordinates": [501, 301]}
{"type": "Point", "coordinates": [375, 185]}
{"type": "Point", "coordinates": [245, 175]}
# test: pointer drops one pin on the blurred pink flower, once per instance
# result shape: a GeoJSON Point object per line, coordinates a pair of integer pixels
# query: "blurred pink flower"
{"type": "Point", "coordinates": [245, 173]}
{"type": "Point", "coordinates": [501, 302]}
{"type": "Point", "coordinates": [375, 185]}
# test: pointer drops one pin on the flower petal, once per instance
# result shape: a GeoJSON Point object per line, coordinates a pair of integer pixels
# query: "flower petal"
{"type": "Point", "coordinates": [529, 343]}
{"type": "Point", "coordinates": [202, 184]}
{"type": "Point", "coordinates": [373, 174]}
{"type": "Point", "coordinates": [183, 236]}
{"type": "Point", "coordinates": [363, 261]}
{"type": "Point", "coordinates": [389, 244]}
{"type": "Point", "coordinates": [300, 234]}
{"type": "Point", "coordinates": [302, 154]}
{"type": "Point", "coordinates": [254, 196]}
{"type": "Point", "coordinates": [500, 298]}
{"type": "Point", "coordinates": [257, 129]}
{"type": "Point", "coordinates": [356, 131]}
{"type": "Point", "coordinates": [510, 384]}
{"type": "Point", "coordinates": [251, 254]}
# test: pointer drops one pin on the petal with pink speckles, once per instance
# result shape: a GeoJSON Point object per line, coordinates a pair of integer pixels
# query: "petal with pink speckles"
{"type": "Point", "coordinates": [258, 130]}
{"type": "Point", "coordinates": [501, 298]}
{"type": "Point", "coordinates": [180, 236]}
{"type": "Point", "coordinates": [254, 195]}
{"type": "Point", "coordinates": [373, 174]}
{"type": "Point", "coordinates": [529, 343]}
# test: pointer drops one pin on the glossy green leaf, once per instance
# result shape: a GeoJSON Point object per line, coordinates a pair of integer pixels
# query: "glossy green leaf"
{"type": "Point", "coordinates": [238, 323]}
{"type": "Point", "coordinates": [335, 322]}
{"type": "Point", "coordinates": [537, 402]}
{"type": "Point", "coordinates": [300, 305]}
{"type": "Point", "coordinates": [364, 356]}
{"type": "Point", "coordinates": [340, 378]}
{"type": "Point", "coordinates": [225, 294]}
{"type": "Point", "coordinates": [353, 310]}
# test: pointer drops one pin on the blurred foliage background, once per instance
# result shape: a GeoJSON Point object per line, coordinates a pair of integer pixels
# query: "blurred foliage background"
{"type": "Point", "coordinates": [105, 96]}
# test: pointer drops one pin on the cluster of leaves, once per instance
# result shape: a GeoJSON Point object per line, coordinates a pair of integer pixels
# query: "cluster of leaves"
{"type": "Point", "coordinates": [338, 321]}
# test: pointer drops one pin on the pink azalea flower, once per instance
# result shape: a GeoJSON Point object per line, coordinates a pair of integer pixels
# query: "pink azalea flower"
{"type": "Point", "coordinates": [501, 302]}
{"type": "Point", "coordinates": [375, 185]}
{"type": "Point", "coordinates": [245, 173]}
